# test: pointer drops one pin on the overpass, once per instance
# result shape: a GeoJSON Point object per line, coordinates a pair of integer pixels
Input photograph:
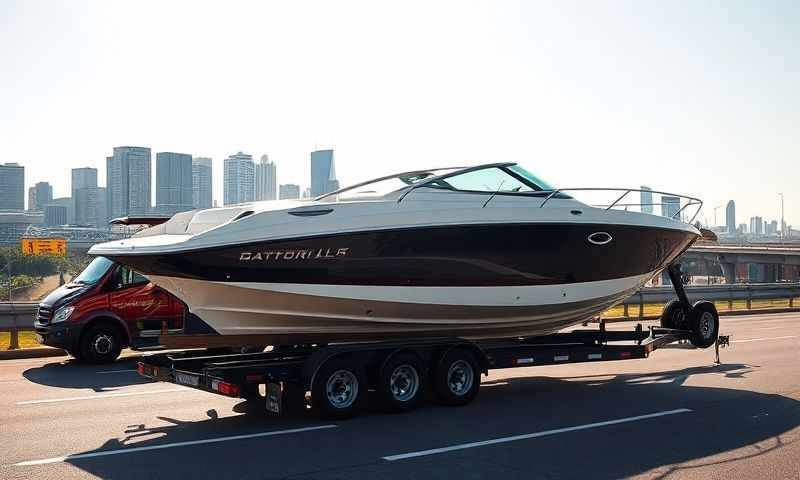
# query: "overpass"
{"type": "Point", "coordinates": [758, 263]}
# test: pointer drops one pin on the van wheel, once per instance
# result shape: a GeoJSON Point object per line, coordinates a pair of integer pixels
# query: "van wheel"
{"type": "Point", "coordinates": [101, 343]}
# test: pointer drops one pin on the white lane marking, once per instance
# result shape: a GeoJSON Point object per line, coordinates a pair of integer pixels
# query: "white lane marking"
{"type": "Point", "coordinates": [763, 339]}
{"type": "Point", "coordinates": [120, 451]}
{"type": "Point", "coordinates": [117, 371]}
{"type": "Point", "coordinates": [105, 395]}
{"type": "Point", "coordinates": [545, 433]}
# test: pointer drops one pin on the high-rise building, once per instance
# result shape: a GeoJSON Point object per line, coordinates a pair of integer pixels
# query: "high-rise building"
{"type": "Point", "coordinates": [33, 205]}
{"type": "Point", "coordinates": [772, 228]}
{"type": "Point", "coordinates": [12, 186]}
{"type": "Point", "coordinates": [670, 206]}
{"type": "Point", "coordinates": [266, 180]}
{"type": "Point", "coordinates": [323, 173]}
{"type": "Point", "coordinates": [201, 182]}
{"type": "Point", "coordinates": [173, 182]}
{"type": "Point", "coordinates": [82, 178]}
{"type": "Point", "coordinates": [239, 179]}
{"type": "Point", "coordinates": [67, 203]}
{"type": "Point", "coordinates": [128, 181]}
{"type": "Point", "coordinates": [646, 199]}
{"type": "Point", "coordinates": [44, 194]}
{"type": "Point", "coordinates": [289, 191]}
{"type": "Point", "coordinates": [85, 177]}
{"type": "Point", "coordinates": [730, 216]}
{"type": "Point", "coordinates": [756, 226]}
{"type": "Point", "coordinates": [90, 207]}
{"type": "Point", "coordinates": [55, 215]}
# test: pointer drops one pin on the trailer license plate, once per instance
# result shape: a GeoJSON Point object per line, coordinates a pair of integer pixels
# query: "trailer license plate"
{"type": "Point", "coordinates": [186, 379]}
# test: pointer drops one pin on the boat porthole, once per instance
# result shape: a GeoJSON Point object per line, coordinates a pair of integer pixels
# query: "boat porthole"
{"type": "Point", "coordinates": [599, 238]}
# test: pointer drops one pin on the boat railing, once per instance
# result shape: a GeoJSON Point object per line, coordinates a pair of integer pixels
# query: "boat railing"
{"type": "Point", "coordinates": [677, 207]}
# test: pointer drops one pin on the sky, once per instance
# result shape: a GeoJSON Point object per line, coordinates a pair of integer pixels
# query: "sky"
{"type": "Point", "coordinates": [697, 98]}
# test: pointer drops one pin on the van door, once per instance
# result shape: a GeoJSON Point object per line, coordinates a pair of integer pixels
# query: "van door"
{"type": "Point", "coordinates": [147, 309]}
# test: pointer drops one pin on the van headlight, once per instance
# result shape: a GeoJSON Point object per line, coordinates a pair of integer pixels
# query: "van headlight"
{"type": "Point", "coordinates": [62, 314]}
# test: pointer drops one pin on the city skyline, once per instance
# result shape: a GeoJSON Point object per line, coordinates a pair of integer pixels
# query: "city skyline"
{"type": "Point", "coordinates": [620, 95]}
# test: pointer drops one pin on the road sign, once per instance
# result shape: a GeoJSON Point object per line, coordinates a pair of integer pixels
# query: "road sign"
{"type": "Point", "coordinates": [44, 246]}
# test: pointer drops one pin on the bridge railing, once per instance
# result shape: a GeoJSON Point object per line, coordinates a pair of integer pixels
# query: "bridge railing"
{"type": "Point", "coordinates": [16, 317]}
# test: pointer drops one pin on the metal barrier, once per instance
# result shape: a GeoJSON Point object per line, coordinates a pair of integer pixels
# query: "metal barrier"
{"type": "Point", "coordinates": [16, 317]}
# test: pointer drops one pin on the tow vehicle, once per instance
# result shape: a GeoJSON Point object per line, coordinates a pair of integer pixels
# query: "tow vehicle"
{"type": "Point", "coordinates": [339, 376]}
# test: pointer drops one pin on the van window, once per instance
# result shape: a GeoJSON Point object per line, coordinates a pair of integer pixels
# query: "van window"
{"type": "Point", "coordinates": [126, 277]}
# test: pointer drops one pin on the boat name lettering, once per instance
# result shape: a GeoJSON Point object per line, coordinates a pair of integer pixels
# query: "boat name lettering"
{"type": "Point", "coordinates": [303, 254]}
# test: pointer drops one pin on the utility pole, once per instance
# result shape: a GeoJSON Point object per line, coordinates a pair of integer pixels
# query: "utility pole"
{"type": "Point", "coordinates": [783, 222]}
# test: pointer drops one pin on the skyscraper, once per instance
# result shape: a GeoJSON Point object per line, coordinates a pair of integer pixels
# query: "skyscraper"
{"type": "Point", "coordinates": [128, 181]}
{"type": "Point", "coordinates": [756, 225]}
{"type": "Point", "coordinates": [266, 180]}
{"type": "Point", "coordinates": [67, 203]}
{"type": "Point", "coordinates": [323, 173]}
{"type": "Point", "coordinates": [55, 215]}
{"type": "Point", "coordinates": [173, 182]}
{"type": "Point", "coordinates": [43, 196]}
{"type": "Point", "coordinates": [239, 179]}
{"type": "Point", "coordinates": [670, 206]}
{"type": "Point", "coordinates": [646, 199]}
{"type": "Point", "coordinates": [289, 191]}
{"type": "Point", "coordinates": [89, 200]}
{"type": "Point", "coordinates": [730, 216]}
{"type": "Point", "coordinates": [32, 203]}
{"type": "Point", "coordinates": [201, 182]}
{"type": "Point", "coordinates": [12, 186]}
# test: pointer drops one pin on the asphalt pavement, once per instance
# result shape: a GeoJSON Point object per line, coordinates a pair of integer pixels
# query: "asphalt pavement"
{"type": "Point", "coordinates": [674, 415]}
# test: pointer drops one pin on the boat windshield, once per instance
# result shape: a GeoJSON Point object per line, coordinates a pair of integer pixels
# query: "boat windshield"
{"type": "Point", "coordinates": [94, 271]}
{"type": "Point", "coordinates": [386, 185]}
{"type": "Point", "coordinates": [502, 179]}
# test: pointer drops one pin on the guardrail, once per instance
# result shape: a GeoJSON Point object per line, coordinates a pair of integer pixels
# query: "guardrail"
{"type": "Point", "coordinates": [16, 317]}
{"type": "Point", "coordinates": [715, 293]}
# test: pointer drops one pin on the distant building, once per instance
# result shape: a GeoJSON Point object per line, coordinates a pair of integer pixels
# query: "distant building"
{"type": "Point", "coordinates": [266, 180]}
{"type": "Point", "coordinates": [323, 173]}
{"type": "Point", "coordinates": [14, 224]}
{"type": "Point", "coordinates": [33, 205]}
{"type": "Point", "coordinates": [128, 181]}
{"type": "Point", "coordinates": [742, 229]}
{"type": "Point", "coordinates": [730, 216]}
{"type": "Point", "coordinates": [12, 187]}
{"type": "Point", "coordinates": [239, 179]}
{"type": "Point", "coordinates": [307, 193]}
{"type": "Point", "coordinates": [173, 182]}
{"type": "Point", "coordinates": [82, 178]}
{"type": "Point", "coordinates": [646, 199]}
{"type": "Point", "coordinates": [55, 215]}
{"type": "Point", "coordinates": [69, 204]}
{"type": "Point", "coordinates": [90, 207]}
{"type": "Point", "coordinates": [756, 226]}
{"type": "Point", "coordinates": [85, 177]}
{"type": "Point", "coordinates": [289, 191]}
{"type": "Point", "coordinates": [772, 228]}
{"type": "Point", "coordinates": [202, 183]}
{"type": "Point", "coordinates": [670, 206]}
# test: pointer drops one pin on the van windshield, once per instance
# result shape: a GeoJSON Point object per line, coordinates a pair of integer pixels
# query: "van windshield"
{"type": "Point", "coordinates": [94, 272]}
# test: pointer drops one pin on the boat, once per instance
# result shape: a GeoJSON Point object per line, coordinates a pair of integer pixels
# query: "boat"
{"type": "Point", "coordinates": [478, 252]}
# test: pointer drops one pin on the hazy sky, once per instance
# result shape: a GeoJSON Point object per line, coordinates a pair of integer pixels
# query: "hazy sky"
{"type": "Point", "coordinates": [694, 97]}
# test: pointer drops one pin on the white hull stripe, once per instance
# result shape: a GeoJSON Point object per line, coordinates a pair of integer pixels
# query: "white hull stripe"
{"type": "Point", "coordinates": [470, 296]}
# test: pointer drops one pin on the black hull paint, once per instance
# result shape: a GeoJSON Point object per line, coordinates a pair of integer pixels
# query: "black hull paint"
{"type": "Point", "coordinates": [468, 255]}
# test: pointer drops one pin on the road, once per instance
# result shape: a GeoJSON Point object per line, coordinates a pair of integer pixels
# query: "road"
{"type": "Point", "coordinates": [675, 415]}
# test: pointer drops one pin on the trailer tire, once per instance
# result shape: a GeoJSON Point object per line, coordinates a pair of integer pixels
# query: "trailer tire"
{"type": "Point", "coordinates": [101, 343]}
{"type": "Point", "coordinates": [457, 378]}
{"type": "Point", "coordinates": [675, 315]}
{"type": "Point", "coordinates": [339, 389]}
{"type": "Point", "coordinates": [401, 383]}
{"type": "Point", "coordinates": [704, 324]}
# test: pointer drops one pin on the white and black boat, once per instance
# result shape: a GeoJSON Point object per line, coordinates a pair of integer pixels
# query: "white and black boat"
{"type": "Point", "coordinates": [477, 252]}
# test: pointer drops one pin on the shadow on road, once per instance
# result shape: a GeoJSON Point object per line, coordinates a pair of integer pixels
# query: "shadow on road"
{"type": "Point", "coordinates": [100, 378]}
{"type": "Point", "coordinates": [721, 420]}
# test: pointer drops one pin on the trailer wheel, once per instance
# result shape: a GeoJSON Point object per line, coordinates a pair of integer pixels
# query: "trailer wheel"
{"type": "Point", "coordinates": [338, 390]}
{"type": "Point", "coordinates": [674, 316]}
{"type": "Point", "coordinates": [102, 343]}
{"type": "Point", "coordinates": [402, 383]}
{"type": "Point", "coordinates": [457, 378]}
{"type": "Point", "coordinates": [704, 324]}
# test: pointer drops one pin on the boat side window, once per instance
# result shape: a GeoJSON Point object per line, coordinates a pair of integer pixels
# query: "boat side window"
{"type": "Point", "coordinates": [125, 277]}
{"type": "Point", "coordinates": [492, 179]}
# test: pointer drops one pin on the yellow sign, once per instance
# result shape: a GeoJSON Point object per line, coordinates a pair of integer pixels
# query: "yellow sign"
{"type": "Point", "coordinates": [44, 246]}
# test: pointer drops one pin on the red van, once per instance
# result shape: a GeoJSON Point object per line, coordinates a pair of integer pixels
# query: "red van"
{"type": "Point", "coordinates": [104, 309]}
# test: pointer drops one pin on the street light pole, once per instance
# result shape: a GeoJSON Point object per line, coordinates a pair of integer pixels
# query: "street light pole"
{"type": "Point", "coordinates": [783, 223]}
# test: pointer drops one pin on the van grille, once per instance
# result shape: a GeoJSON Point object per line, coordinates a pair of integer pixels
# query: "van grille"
{"type": "Point", "coordinates": [44, 314]}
